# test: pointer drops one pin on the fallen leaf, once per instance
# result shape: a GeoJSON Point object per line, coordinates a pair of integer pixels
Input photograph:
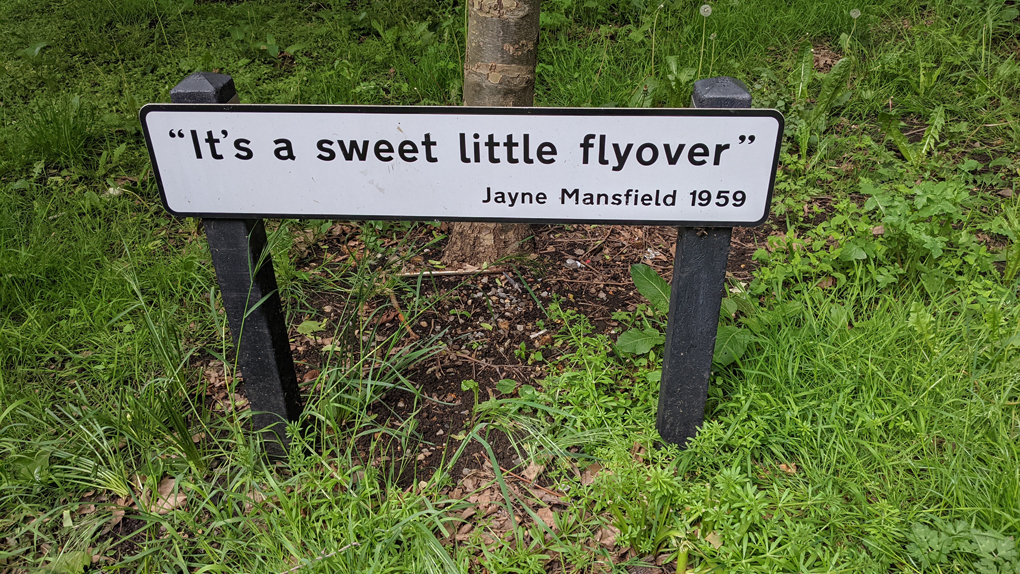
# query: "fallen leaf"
{"type": "Point", "coordinates": [826, 283]}
{"type": "Point", "coordinates": [547, 516]}
{"type": "Point", "coordinates": [1005, 192]}
{"type": "Point", "coordinates": [310, 376]}
{"type": "Point", "coordinates": [533, 470]}
{"type": "Point", "coordinates": [714, 539]}
{"type": "Point", "coordinates": [788, 468]}
{"type": "Point", "coordinates": [589, 473]}
{"type": "Point", "coordinates": [878, 230]}
{"type": "Point", "coordinates": [167, 500]}
{"type": "Point", "coordinates": [606, 536]}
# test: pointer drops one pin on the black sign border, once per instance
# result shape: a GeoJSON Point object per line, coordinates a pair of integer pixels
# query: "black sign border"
{"type": "Point", "coordinates": [466, 110]}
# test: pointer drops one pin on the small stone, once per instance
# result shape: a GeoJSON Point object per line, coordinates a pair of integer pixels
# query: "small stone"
{"type": "Point", "coordinates": [421, 457]}
{"type": "Point", "coordinates": [400, 404]}
{"type": "Point", "coordinates": [520, 327]}
{"type": "Point", "coordinates": [602, 295]}
{"type": "Point", "coordinates": [465, 471]}
{"type": "Point", "coordinates": [440, 432]}
{"type": "Point", "coordinates": [423, 484]}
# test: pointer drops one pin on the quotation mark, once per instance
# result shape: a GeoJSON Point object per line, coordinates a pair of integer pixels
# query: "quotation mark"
{"type": "Point", "coordinates": [179, 134]}
{"type": "Point", "coordinates": [750, 139]}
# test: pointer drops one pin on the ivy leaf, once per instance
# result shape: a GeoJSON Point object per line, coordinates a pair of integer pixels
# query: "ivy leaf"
{"type": "Point", "coordinates": [639, 341]}
{"type": "Point", "coordinates": [730, 344]}
{"type": "Point", "coordinates": [651, 286]}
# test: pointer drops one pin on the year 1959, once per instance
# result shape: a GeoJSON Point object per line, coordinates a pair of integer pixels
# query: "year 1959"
{"type": "Point", "coordinates": [722, 198]}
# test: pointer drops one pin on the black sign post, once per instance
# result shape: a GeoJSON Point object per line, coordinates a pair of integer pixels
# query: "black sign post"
{"type": "Point", "coordinates": [699, 282]}
{"type": "Point", "coordinates": [376, 186]}
{"type": "Point", "coordinates": [244, 271]}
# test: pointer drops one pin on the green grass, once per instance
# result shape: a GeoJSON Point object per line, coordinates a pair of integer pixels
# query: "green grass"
{"type": "Point", "coordinates": [868, 423]}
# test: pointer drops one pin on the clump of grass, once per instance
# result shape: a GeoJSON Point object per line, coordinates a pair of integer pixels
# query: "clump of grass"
{"type": "Point", "coordinates": [62, 131]}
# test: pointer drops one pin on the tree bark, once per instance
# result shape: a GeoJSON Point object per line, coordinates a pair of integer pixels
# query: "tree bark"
{"type": "Point", "coordinates": [499, 70]}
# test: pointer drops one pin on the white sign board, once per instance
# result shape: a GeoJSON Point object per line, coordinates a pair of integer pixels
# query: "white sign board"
{"type": "Point", "coordinates": [694, 167]}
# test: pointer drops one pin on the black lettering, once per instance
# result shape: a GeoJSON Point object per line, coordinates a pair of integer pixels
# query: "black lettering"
{"type": "Point", "coordinates": [327, 152]}
{"type": "Point", "coordinates": [361, 152]}
{"type": "Point", "coordinates": [540, 198]}
{"type": "Point", "coordinates": [602, 150]}
{"type": "Point", "coordinates": [463, 150]}
{"type": "Point", "coordinates": [198, 146]}
{"type": "Point", "coordinates": [513, 197]}
{"type": "Point", "coordinates": [639, 155]}
{"type": "Point", "coordinates": [589, 199]}
{"type": "Point", "coordinates": [564, 194]}
{"type": "Point", "coordinates": [241, 145]}
{"type": "Point", "coordinates": [616, 199]}
{"type": "Point", "coordinates": [284, 149]}
{"type": "Point", "coordinates": [209, 139]}
{"type": "Point", "coordinates": [600, 198]}
{"type": "Point", "coordinates": [510, 144]}
{"type": "Point", "coordinates": [500, 197]}
{"type": "Point", "coordinates": [428, 142]}
{"type": "Point", "coordinates": [646, 199]}
{"type": "Point", "coordinates": [526, 196]}
{"type": "Point", "coordinates": [545, 149]}
{"type": "Point", "coordinates": [669, 200]}
{"type": "Point", "coordinates": [407, 149]}
{"type": "Point", "coordinates": [477, 151]}
{"type": "Point", "coordinates": [488, 190]}
{"type": "Point", "coordinates": [383, 149]}
{"type": "Point", "coordinates": [492, 144]}
{"type": "Point", "coordinates": [621, 159]}
{"type": "Point", "coordinates": [585, 146]}
{"type": "Point", "coordinates": [671, 157]}
{"type": "Point", "coordinates": [697, 151]}
{"type": "Point", "coordinates": [719, 148]}
{"type": "Point", "coordinates": [527, 150]}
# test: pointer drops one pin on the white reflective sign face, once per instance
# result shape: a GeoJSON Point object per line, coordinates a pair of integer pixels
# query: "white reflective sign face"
{"type": "Point", "coordinates": [650, 166]}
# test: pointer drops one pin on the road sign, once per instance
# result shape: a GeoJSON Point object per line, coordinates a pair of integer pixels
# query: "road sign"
{"type": "Point", "coordinates": [690, 167]}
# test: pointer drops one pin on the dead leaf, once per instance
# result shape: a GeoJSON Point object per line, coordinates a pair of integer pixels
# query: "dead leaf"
{"type": "Point", "coordinates": [167, 500]}
{"type": "Point", "coordinates": [547, 516]}
{"type": "Point", "coordinates": [714, 539]}
{"type": "Point", "coordinates": [637, 451]}
{"type": "Point", "coordinates": [1005, 192]}
{"type": "Point", "coordinates": [826, 282]}
{"type": "Point", "coordinates": [590, 473]}
{"type": "Point", "coordinates": [533, 470]}
{"type": "Point", "coordinates": [86, 509]}
{"type": "Point", "coordinates": [788, 468]}
{"type": "Point", "coordinates": [878, 230]}
{"type": "Point", "coordinates": [310, 376]}
{"type": "Point", "coordinates": [606, 536]}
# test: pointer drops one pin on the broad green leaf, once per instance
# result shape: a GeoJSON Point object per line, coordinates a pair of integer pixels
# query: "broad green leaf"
{"type": "Point", "coordinates": [506, 386]}
{"type": "Point", "coordinates": [639, 341]}
{"type": "Point", "coordinates": [852, 252]}
{"type": "Point", "coordinates": [833, 90]}
{"type": "Point", "coordinates": [730, 344]}
{"type": "Point", "coordinates": [308, 327]}
{"type": "Point", "coordinates": [651, 286]}
{"type": "Point", "coordinates": [805, 70]}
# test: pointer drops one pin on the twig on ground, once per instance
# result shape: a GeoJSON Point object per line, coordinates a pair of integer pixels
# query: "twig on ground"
{"type": "Point", "coordinates": [400, 315]}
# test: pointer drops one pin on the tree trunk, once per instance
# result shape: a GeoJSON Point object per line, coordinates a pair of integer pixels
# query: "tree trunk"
{"type": "Point", "coordinates": [499, 70]}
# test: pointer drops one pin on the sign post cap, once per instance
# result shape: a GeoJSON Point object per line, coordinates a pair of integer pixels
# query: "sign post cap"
{"type": "Point", "coordinates": [203, 88]}
{"type": "Point", "coordinates": [721, 92]}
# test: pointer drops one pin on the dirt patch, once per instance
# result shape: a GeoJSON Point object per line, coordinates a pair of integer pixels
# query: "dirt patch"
{"type": "Point", "coordinates": [494, 327]}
